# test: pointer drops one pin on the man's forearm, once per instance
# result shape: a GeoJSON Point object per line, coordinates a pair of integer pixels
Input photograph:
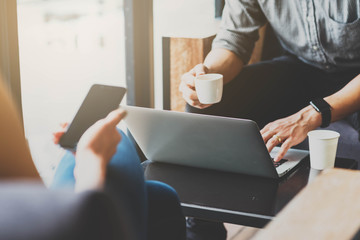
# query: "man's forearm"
{"type": "Point", "coordinates": [225, 62]}
{"type": "Point", "coordinates": [345, 101]}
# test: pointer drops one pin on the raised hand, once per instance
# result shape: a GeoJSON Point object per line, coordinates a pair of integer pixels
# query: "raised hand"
{"type": "Point", "coordinates": [187, 86]}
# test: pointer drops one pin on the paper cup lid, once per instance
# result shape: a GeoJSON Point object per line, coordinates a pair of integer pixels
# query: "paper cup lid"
{"type": "Point", "coordinates": [323, 134]}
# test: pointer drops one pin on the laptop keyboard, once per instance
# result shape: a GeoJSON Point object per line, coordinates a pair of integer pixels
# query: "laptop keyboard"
{"type": "Point", "coordinates": [276, 164]}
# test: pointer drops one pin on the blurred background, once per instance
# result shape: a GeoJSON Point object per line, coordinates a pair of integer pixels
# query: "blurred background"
{"type": "Point", "coordinates": [67, 45]}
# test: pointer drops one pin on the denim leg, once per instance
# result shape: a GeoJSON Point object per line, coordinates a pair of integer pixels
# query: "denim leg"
{"type": "Point", "coordinates": [165, 217]}
{"type": "Point", "coordinates": [64, 175]}
{"type": "Point", "coordinates": [124, 182]}
{"type": "Point", "coordinates": [156, 206]}
{"type": "Point", "coordinates": [125, 161]}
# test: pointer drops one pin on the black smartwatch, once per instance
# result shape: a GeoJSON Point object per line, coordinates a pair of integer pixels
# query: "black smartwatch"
{"type": "Point", "coordinates": [321, 106]}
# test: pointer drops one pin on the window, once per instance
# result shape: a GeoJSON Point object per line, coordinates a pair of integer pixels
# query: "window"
{"type": "Point", "coordinates": [65, 46]}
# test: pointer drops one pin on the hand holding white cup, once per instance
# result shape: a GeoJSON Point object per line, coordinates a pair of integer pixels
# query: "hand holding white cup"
{"type": "Point", "coordinates": [209, 88]}
{"type": "Point", "coordinates": [323, 146]}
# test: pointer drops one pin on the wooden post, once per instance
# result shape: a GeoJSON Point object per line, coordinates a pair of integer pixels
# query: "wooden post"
{"type": "Point", "coordinates": [257, 52]}
{"type": "Point", "coordinates": [9, 50]}
{"type": "Point", "coordinates": [184, 54]}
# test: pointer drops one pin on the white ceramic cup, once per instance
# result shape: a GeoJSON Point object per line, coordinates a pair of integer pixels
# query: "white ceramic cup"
{"type": "Point", "coordinates": [323, 145]}
{"type": "Point", "coordinates": [209, 88]}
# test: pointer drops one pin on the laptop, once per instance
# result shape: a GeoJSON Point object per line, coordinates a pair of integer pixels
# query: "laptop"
{"type": "Point", "coordinates": [213, 142]}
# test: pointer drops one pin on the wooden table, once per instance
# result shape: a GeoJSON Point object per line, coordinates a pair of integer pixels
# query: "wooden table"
{"type": "Point", "coordinates": [326, 209]}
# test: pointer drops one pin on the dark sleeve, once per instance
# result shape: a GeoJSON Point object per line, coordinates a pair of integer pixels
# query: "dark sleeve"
{"type": "Point", "coordinates": [238, 33]}
{"type": "Point", "coordinates": [30, 211]}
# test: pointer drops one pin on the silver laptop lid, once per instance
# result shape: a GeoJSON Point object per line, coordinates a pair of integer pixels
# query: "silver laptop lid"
{"type": "Point", "coordinates": [220, 143]}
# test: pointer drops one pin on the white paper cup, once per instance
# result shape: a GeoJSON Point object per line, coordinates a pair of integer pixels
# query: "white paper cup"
{"type": "Point", "coordinates": [323, 145]}
{"type": "Point", "coordinates": [209, 88]}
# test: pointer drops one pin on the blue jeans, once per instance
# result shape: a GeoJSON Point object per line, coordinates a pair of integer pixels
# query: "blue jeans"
{"type": "Point", "coordinates": [154, 206]}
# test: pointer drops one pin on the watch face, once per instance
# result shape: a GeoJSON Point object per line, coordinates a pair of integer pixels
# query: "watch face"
{"type": "Point", "coordinates": [314, 106]}
{"type": "Point", "coordinates": [321, 105]}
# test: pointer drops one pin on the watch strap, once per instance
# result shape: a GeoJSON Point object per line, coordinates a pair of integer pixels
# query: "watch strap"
{"type": "Point", "coordinates": [321, 106]}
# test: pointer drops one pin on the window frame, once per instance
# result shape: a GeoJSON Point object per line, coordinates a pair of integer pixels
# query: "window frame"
{"type": "Point", "coordinates": [219, 6]}
{"type": "Point", "coordinates": [139, 52]}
